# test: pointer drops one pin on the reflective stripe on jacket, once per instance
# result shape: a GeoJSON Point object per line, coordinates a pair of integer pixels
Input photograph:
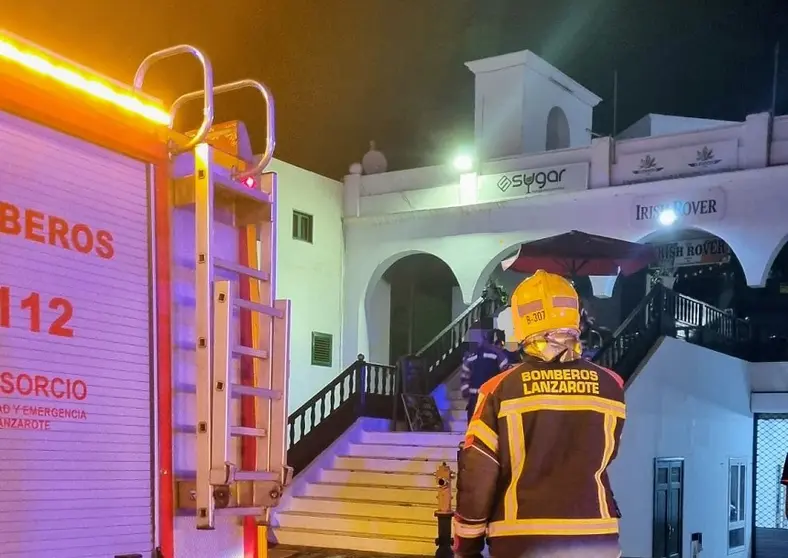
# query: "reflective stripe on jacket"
{"type": "Point", "coordinates": [535, 457]}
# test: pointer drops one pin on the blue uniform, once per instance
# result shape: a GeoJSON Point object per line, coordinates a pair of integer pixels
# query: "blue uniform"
{"type": "Point", "coordinates": [478, 366]}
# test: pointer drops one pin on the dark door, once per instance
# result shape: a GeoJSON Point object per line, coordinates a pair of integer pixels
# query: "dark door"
{"type": "Point", "coordinates": [668, 508]}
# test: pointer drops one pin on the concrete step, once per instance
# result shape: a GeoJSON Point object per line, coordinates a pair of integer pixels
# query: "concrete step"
{"type": "Point", "coordinates": [458, 404]}
{"type": "Point", "coordinates": [367, 493]}
{"type": "Point", "coordinates": [458, 425]}
{"type": "Point", "coordinates": [392, 465]}
{"type": "Point", "coordinates": [377, 478]}
{"type": "Point", "coordinates": [431, 439]}
{"type": "Point", "coordinates": [375, 526]}
{"type": "Point", "coordinates": [394, 510]}
{"type": "Point", "coordinates": [401, 545]}
{"type": "Point", "coordinates": [446, 453]}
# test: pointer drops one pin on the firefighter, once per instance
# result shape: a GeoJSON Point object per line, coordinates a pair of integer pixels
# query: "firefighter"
{"type": "Point", "coordinates": [479, 365]}
{"type": "Point", "coordinates": [500, 341]}
{"type": "Point", "coordinates": [532, 470]}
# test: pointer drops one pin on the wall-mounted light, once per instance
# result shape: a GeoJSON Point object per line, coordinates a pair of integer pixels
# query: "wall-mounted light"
{"type": "Point", "coordinates": [463, 163]}
{"type": "Point", "coordinates": [667, 217]}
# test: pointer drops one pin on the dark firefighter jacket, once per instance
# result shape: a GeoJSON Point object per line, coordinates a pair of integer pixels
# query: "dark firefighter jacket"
{"type": "Point", "coordinates": [480, 365]}
{"type": "Point", "coordinates": [533, 467]}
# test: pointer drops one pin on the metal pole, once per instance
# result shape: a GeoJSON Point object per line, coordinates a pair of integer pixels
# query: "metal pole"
{"type": "Point", "coordinates": [411, 310]}
{"type": "Point", "coordinates": [773, 108]}
{"type": "Point", "coordinates": [444, 513]}
{"type": "Point", "coordinates": [615, 103]}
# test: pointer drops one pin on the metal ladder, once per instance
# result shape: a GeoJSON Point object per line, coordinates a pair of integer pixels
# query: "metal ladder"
{"type": "Point", "coordinates": [210, 182]}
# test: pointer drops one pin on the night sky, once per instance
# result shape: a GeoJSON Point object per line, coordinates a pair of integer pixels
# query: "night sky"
{"type": "Point", "coordinates": [347, 71]}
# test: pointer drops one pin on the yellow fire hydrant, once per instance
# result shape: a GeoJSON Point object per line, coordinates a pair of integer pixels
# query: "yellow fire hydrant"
{"type": "Point", "coordinates": [443, 477]}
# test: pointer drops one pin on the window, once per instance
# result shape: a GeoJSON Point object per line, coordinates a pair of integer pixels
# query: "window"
{"type": "Point", "coordinates": [322, 349]}
{"type": "Point", "coordinates": [557, 130]}
{"type": "Point", "coordinates": [737, 484]}
{"type": "Point", "coordinates": [302, 226]}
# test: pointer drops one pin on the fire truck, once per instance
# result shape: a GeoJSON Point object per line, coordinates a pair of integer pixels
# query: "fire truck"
{"type": "Point", "coordinates": [144, 356]}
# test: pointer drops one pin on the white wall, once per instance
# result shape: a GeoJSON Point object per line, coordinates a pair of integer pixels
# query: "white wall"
{"type": "Point", "coordinates": [472, 240]}
{"type": "Point", "coordinates": [458, 305]}
{"type": "Point", "coordinates": [379, 323]}
{"type": "Point", "coordinates": [769, 377]}
{"type": "Point", "coordinates": [664, 124]}
{"type": "Point", "coordinates": [687, 402]}
{"type": "Point", "coordinates": [310, 274]}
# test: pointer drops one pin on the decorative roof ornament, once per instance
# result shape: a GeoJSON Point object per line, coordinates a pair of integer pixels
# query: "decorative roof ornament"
{"type": "Point", "coordinates": [374, 162]}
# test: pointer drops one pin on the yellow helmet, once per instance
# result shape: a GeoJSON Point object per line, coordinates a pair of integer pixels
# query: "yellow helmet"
{"type": "Point", "coordinates": [544, 302]}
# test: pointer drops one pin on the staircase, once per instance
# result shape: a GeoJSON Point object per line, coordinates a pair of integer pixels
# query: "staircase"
{"type": "Point", "coordinates": [375, 491]}
{"type": "Point", "coordinates": [664, 312]}
{"type": "Point", "coordinates": [363, 487]}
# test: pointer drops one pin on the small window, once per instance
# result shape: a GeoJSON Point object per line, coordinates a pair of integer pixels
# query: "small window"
{"type": "Point", "coordinates": [737, 504]}
{"type": "Point", "coordinates": [322, 349]}
{"type": "Point", "coordinates": [302, 226]}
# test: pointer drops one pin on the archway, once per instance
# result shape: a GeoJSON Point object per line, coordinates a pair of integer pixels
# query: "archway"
{"type": "Point", "coordinates": [411, 302]}
{"type": "Point", "coordinates": [692, 262]}
{"type": "Point", "coordinates": [557, 136]}
{"type": "Point", "coordinates": [767, 307]}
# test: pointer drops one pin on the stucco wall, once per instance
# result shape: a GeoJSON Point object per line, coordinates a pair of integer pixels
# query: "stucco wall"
{"type": "Point", "coordinates": [310, 275]}
{"type": "Point", "coordinates": [687, 402]}
{"type": "Point", "coordinates": [472, 240]}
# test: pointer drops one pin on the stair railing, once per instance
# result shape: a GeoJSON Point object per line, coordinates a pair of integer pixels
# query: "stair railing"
{"type": "Point", "coordinates": [363, 389]}
{"type": "Point", "coordinates": [666, 312]}
{"type": "Point", "coordinates": [632, 340]}
{"type": "Point", "coordinates": [443, 353]}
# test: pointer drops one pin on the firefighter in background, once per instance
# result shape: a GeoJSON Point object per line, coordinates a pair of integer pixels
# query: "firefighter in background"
{"type": "Point", "coordinates": [532, 471]}
{"type": "Point", "coordinates": [480, 364]}
{"type": "Point", "coordinates": [500, 342]}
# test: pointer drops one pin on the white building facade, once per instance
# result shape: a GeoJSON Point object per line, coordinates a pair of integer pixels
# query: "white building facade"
{"type": "Point", "coordinates": [722, 178]}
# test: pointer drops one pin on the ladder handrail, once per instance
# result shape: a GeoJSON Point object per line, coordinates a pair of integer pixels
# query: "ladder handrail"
{"type": "Point", "coordinates": [270, 124]}
{"type": "Point", "coordinates": [208, 89]}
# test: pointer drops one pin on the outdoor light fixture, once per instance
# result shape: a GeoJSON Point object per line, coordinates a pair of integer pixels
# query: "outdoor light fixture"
{"type": "Point", "coordinates": [667, 217]}
{"type": "Point", "coordinates": [463, 163]}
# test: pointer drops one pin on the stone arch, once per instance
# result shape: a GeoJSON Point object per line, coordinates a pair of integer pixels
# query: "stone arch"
{"type": "Point", "coordinates": [375, 324]}
{"type": "Point", "coordinates": [687, 233]}
{"type": "Point", "coordinates": [772, 258]}
{"type": "Point", "coordinates": [557, 136]}
{"type": "Point", "coordinates": [488, 269]}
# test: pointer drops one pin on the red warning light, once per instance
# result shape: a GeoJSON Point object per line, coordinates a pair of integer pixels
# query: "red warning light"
{"type": "Point", "coordinates": [249, 182]}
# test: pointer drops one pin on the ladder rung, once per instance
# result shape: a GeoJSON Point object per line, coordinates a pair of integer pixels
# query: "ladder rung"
{"type": "Point", "coordinates": [248, 431]}
{"type": "Point", "coordinates": [241, 269]}
{"type": "Point", "coordinates": [257, 307]}
{"type": "Point", "coordinates": [260, 476]}
{"type": "Point", "coordinates": [256, 391]}
{"type": "Point", "coordinates": [249, 351]}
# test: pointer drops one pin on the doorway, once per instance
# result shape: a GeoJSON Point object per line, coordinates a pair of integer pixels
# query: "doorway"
{"type": "Point", "coordinates": [668, 507]}
{"type": "Point", "coordinates": [771, 525]}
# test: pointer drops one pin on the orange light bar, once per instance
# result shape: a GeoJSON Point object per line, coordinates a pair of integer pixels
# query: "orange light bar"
{"type": "Point", "coordinates": [92, 85]}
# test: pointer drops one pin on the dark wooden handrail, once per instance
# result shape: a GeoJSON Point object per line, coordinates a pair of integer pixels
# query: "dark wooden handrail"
{"type": "Point", "coordinates": [467, 312]}
{"type": "Point", "coordinates": [363, 389]}
{"type": "Point", "coordinates": [666, 312]}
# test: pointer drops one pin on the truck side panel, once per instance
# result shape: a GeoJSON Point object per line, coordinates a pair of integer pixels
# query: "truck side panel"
{"type": "Point", "coordinates": [75, 336]}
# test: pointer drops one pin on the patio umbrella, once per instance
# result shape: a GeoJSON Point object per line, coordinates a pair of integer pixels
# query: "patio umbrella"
{"type": "Point", "coordinates": [577, 254]}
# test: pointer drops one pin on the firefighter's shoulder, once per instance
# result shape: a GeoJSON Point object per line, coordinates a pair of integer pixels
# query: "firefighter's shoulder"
{"type": "Point", "coordinates": [618, 379]}
{"type": "Point", "coordinates": [492, 385]}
